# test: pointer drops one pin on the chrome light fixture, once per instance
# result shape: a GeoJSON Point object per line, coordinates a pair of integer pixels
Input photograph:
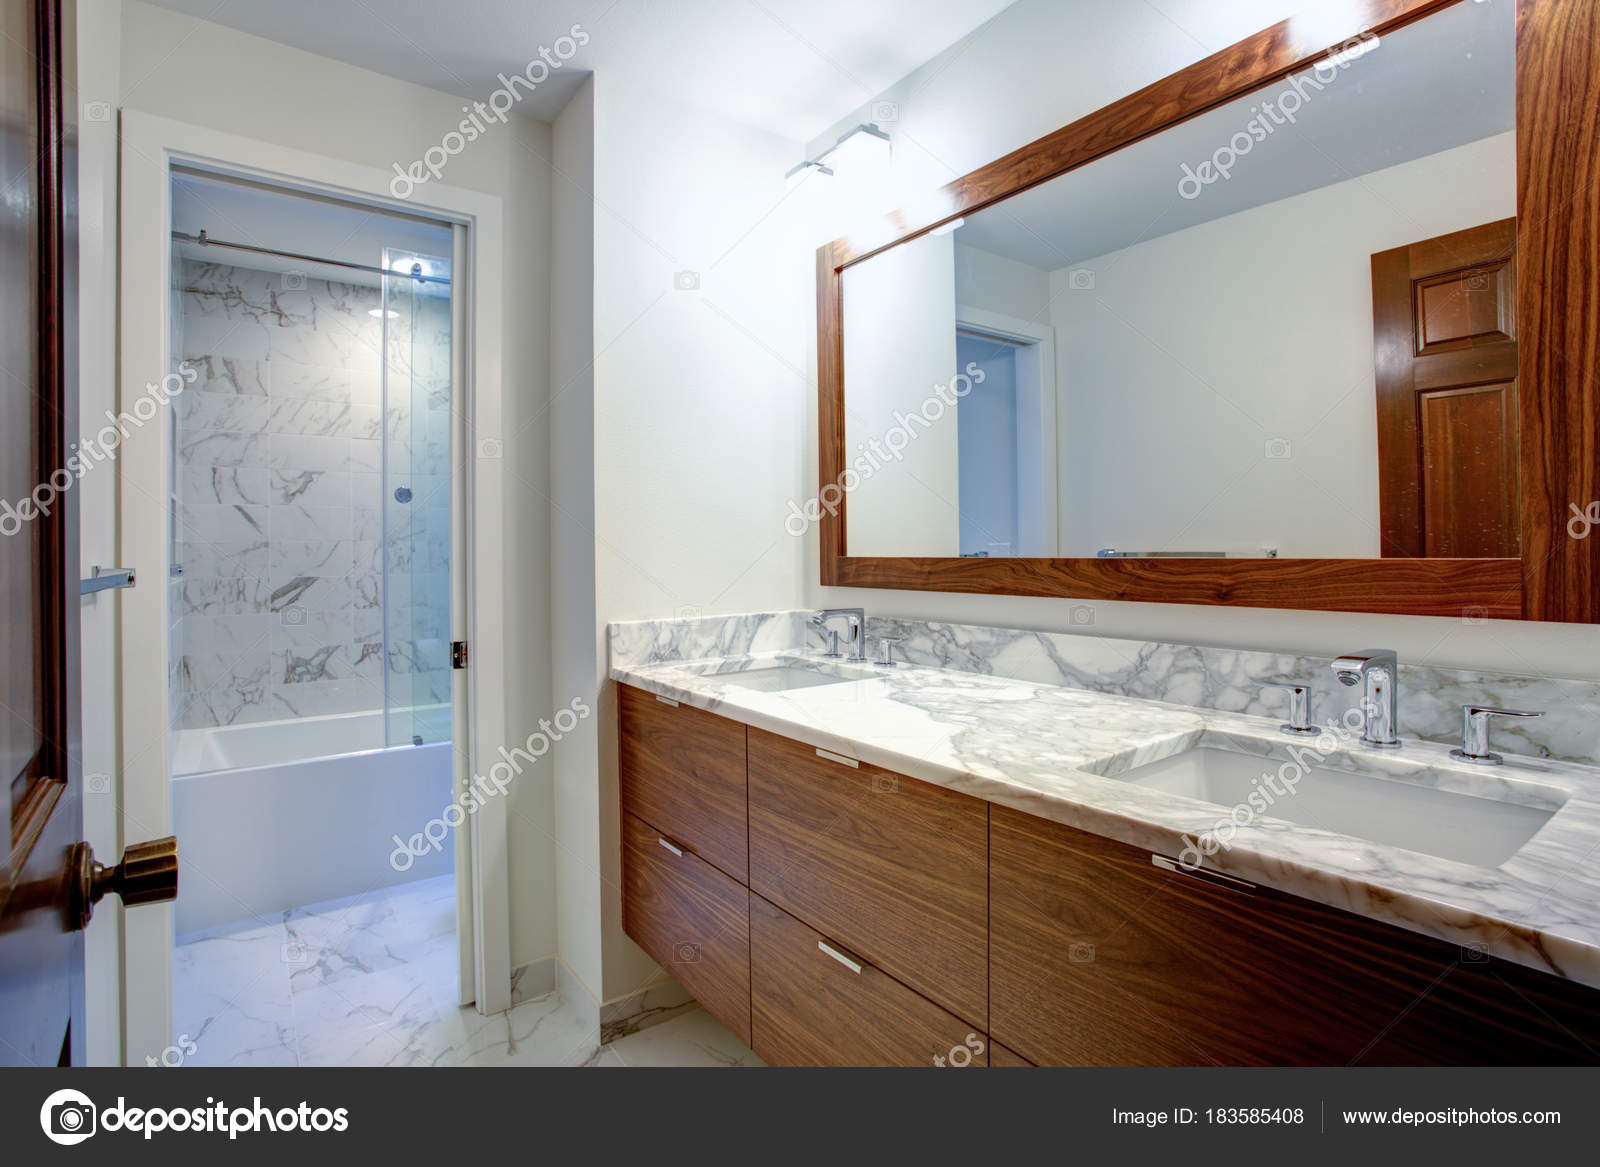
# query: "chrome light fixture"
{"type": "Point", "coordinates": [860, 142]}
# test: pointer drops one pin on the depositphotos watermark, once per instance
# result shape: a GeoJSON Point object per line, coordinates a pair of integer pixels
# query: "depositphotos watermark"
{"type": "Point", "coordinates": [879, 452]}
{"type": "Point", "coordinates": [480, 790]}
{"type": "Point", "coordinates": [1271, 114]}
{"type": "Point", "coordinates": [961, 1056]}
{"type": "Point", "coordinates": [1271, 786]}
{"type": "Point", "coordinates": [93, 450]}
{"type": "Point", "coordinates": [68, 1117]}
{"type": "Point", "coordinates": [1583, 520]}
{"type": "Point", "coordinates": [482, 114]}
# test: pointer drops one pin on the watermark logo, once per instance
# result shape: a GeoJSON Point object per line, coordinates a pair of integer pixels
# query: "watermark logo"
{"type": "Point", "coordinates": [68, 1117]}
{"type": "Point", "coordinates": [174, 1055]}
{"type": "Point", "coordinates": [482, 114]}
{"type": "Point", "coordinates": [478, 792]}
{"type": "Point", "coordinates": [961, 1056]}
{"type": "Point", "coordinates": [1270, 787]}
{"type": "Point", "coordinates": [1583, 520]}
{"type": "Point", "coordinates": [100, 447]}
{"type": "Point", "coordinates": [876, 453]}
{"type": "Point", "coordinates": [1269, 115]}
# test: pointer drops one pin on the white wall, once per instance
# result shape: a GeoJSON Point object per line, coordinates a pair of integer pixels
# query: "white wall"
{"type": "Point", "coordinates": [699, 431]}
{"type": "Point", "coordinates": [1195, 350]}
{"type": "Point", "coordinates": [900, 342]}
{"type": "Point", "coordinates": [966, 108]}
{"type": "Point", "coordinates": [996, 283]}
{"type": "Point", "coordinates": [202, 73]}
{"type": "Point", "coordinates": [576, 666]}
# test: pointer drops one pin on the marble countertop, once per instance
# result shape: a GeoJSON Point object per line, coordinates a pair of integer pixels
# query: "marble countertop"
{"type": "Point", "coordinates": [1055, 752]}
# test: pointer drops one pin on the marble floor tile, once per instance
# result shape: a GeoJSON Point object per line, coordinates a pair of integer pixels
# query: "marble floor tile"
{"type": "Point", "coordinates": [372, 980]}
{"type": "Point", "coordinates": [231, 998]}
{"type": "Point", "coordinates": [386, 1018]}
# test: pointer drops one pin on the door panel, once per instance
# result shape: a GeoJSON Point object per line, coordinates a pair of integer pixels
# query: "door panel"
{"type": "Point", "coordinates": [41, 956]}
{"type": "Point", "coordinates": [1444, 315]}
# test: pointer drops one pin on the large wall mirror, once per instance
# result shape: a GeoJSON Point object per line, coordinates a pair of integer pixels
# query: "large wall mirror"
{"type": "Point", "coordinates": [1233, 357]}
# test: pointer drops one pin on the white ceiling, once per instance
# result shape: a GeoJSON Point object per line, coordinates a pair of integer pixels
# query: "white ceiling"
{"type": "Point", "coordinates": [1443, 82]}
{"type": "Point", "coordinates": [787, 66]}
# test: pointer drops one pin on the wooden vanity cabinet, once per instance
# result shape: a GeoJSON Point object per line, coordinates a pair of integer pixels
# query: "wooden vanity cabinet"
{"type": "Point", "coordinates": [833, 913]}
{"type": "Point", "coordinates": [682, 770]}
{"type": "Point", "coordinates": [816, 1003]}
{"type": "Point", "coordinates": [691, 918]}
{"type": "Point", "coordinates": [1100, 957]}
{"type": "Point", "coordinates": [894, 869]}
{"type": "Point", "coordinates": [1000, 1056]}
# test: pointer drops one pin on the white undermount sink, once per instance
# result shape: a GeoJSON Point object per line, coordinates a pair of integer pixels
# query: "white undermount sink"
{"type": "Point", "coordinates": [781, 678]}
{"type": "Point", "coordinates": [1480, 831]}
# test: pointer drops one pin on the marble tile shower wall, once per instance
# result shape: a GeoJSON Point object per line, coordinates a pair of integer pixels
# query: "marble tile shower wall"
{"type": "Point", "coordinates": [278, 482]}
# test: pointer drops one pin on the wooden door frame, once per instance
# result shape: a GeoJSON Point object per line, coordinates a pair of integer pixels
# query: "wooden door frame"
{"type": "Point", "coordinates": [150, 146]}
{"type": "Point", "coordinates": [1558, 205]}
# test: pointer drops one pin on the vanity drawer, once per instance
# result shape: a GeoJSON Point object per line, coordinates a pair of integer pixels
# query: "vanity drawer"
{"type": "Point", "coordinates": [810, 1008]}
{"type": "Point", "coordinates": [682, 770]}
{"type": "Point", "coordinates": [1099, 957]}
{"type": "Point", "coordinates": [999, 1055]}
{"type": "Point", "coordinates": [893, 868]}
{"type": "Point", "coordinates": [691, 918]}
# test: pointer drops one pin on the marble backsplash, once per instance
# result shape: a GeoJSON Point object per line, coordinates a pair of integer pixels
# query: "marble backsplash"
{"type": "Point", "coordinates": [1210, 678]}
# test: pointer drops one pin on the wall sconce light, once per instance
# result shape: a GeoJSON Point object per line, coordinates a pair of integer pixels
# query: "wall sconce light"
{"type": "Point", "coordinates": [860, 145]}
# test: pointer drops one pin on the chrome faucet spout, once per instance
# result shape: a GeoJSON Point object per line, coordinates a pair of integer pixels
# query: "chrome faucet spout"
{"type": "Point", "coordinates": [855, 622]}
{"type": "Point", "coordinates": [1377, 671]}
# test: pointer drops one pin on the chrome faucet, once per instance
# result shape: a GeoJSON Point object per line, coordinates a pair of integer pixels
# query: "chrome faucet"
{"type": "Point", "coordinates": [1299, 723]}
{"type": "Point", "coordinates": [1377, 670]}
{"type": "Point", "coordinates": [1475, 733]}
{"type": "Point", "coordinates": [856, 622]}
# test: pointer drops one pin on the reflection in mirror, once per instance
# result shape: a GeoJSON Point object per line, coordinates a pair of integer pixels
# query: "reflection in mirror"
{"type": "Point", "coordinates": [1285, 327]}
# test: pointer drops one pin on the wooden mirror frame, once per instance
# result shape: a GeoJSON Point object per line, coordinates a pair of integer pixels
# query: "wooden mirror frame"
{"type": "Point", "coordinates": [1558, 323]}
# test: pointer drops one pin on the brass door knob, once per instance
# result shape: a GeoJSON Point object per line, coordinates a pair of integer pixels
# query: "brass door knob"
{"type": "Point", "coordinates": [148, 874]}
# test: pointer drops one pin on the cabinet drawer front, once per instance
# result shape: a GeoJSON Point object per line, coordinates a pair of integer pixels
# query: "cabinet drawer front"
{"type": "Point", "coordinates": [893, 868]}
{"type": "Point", "coordinates": [816, 1003]}
{"type": "Point", "coordinates": [693, 919]}
{"type": "Point", "coordinates": [682, 770]}
{"type": "Point", "coordinates": [999, 1055]}
{"type": "Point", "coordinates": [1102, 958]}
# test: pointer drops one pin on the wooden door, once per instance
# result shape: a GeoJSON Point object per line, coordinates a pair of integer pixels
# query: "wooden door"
{"type": "Point", "coordinates": [41, 958]}
{"type": "Point", "coordinates": [1444, 318]}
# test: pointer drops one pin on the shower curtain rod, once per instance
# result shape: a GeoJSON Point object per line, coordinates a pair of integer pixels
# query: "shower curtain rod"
{"type": "Point", "coordinates": [205, 240]}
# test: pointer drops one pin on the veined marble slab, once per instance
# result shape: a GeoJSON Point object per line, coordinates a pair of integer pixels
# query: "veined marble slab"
{"type": "Point", "coordinates": [1053, 751]}
{"type": "Point", "coordinates": [1183, 674]}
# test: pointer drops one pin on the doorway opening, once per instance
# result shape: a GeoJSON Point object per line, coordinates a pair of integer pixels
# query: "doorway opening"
{"type": "Point", "coordinates": [309, 604]}
{"type": "Point", "coordinates": [1006, 443]}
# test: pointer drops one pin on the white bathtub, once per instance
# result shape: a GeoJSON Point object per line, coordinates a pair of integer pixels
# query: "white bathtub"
{"type": "Point", "coordinates": [263, 827]}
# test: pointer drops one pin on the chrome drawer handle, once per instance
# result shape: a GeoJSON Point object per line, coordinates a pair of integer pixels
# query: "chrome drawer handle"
{"type": "Point", "coordinates": [840, 758]}
{"type": "Point", "coordinates": [1203, 875]}
{"type": "Point", "coordinates": [853, 965]}
{"type": "Point", "coordinates": [678, 851]}
{"type": "Point", "coordinates": [666, 700]}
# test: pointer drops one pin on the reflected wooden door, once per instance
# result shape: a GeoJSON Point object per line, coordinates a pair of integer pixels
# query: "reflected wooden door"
{"type": "Point", "coordinates": [1444, 318]}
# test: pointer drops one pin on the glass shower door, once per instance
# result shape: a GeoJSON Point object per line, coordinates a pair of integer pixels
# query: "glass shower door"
{"type": "Point", "coordinates": [416, 498]}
